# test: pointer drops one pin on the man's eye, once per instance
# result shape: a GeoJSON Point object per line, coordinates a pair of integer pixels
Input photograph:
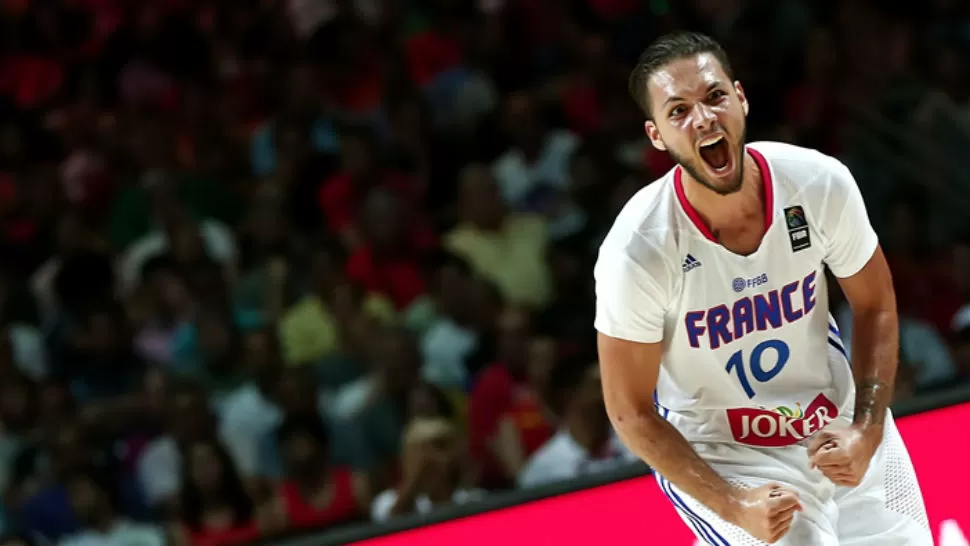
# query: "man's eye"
{"type": "Point", "coordinates": [716, 94]}
{"type": "Point", "coordinates": [679, 110]}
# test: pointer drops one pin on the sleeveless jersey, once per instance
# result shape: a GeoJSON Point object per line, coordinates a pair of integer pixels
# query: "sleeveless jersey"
{"type": "Point", "coordinates": [751, 353]}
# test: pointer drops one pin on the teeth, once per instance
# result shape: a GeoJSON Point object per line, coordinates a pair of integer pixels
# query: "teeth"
{"type": "Point", "coordinates": [711, 140]}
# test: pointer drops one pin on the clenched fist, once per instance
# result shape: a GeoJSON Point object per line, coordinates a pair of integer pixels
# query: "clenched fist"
{"type": "Point", "coordinates": [766, 513]}
{"type": "Point", "coordinates": [843, 455]}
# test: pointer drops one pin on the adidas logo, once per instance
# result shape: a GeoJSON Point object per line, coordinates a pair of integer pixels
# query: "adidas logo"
{"type": "Point", "coordinates": [690, 262]}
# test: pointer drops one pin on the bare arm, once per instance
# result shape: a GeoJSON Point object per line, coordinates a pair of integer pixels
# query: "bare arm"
{"type": "Point", "coordinates": [507, 447]}
{"type": "Point", "coordinates": [361, 487]}
{"type": "Point", "coordinates": [875, 341]}
{"type": "Point", "coordinates": [629, 371]}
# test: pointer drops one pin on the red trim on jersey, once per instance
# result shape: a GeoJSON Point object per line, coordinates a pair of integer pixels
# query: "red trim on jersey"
{"type": "Point", "coordinates": [768, 186]}
{"type": "Point", "coordinates": [692, 213]}
{"type": "Point", "coordinates": [695, 217]}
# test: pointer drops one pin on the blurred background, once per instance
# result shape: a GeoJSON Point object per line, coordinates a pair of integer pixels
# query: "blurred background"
{"type": "Point", "coordinates": [272, 267]}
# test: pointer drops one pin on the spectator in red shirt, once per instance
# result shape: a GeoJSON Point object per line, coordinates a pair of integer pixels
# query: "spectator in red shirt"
{"type": "Point", "coordinates": [429, 54]}
{"type": "Point", "coordinates": [314, 494]}
{"type": "Point", "coordinates": [389, 260]}
{"type": "Point", "coordinates": [216, 509]}
{"type": "Point", "coordinates": [507, 419]}
{"type": "Point", "coordinates": [342, 195]}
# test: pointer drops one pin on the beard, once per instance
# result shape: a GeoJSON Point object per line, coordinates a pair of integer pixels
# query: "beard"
{"type": "Point", "coordinates": [696, 170]}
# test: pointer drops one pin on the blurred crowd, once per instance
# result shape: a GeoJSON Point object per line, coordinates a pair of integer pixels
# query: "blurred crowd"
{"type": "Point", "coordinates": [269, 266]}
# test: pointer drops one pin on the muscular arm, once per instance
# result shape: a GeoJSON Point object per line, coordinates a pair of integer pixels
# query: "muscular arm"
{"type": "Point", "coordinates": [875, 341]}
{"type": "Point", "coordinates": [629, 371]}
{"type": "Point", "coordinates": [853, 254]}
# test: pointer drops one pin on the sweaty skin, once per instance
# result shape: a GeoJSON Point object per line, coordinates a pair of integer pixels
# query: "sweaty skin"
{"type": "Point", "coordinates": [692, 101]}
{"type": "Point", "coordinates": [629, 375]}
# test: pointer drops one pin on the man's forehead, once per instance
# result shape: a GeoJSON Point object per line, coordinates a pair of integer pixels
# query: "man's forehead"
{"type": "Point", "coordinates": [687, 76]}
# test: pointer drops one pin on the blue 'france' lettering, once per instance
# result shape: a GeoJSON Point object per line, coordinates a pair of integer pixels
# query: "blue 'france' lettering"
{"type": "Point", "coordinates": [726, 323]}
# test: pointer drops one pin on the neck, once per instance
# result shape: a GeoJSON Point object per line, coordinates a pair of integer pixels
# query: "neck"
{"type": "Point", "coordinates": [727, 211]}
{"type": "Point", "coordinates": [213, 500]}
{"type": "Point", "coordinates": [317, 479]}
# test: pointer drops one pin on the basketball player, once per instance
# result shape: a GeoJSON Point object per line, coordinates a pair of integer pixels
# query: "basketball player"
{"type": "Point", "coordinates": [721, 365]}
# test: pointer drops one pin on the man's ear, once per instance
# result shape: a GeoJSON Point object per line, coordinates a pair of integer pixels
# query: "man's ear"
{"type": "Point", "coordinates": [741, 97]}
{"type": "Point", "coordinates": [653, 134]}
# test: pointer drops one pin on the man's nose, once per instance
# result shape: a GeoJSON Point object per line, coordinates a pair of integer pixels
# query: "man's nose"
{"type": "Point", "coordinates": [703, 117]}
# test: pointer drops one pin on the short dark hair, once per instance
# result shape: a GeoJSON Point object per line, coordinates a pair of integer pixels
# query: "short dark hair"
{"type": "Point", "coordinates": [666, 49]}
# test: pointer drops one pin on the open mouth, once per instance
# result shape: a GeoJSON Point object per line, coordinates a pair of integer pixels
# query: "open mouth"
{"type": "Point", "coordinates": [715, 152]}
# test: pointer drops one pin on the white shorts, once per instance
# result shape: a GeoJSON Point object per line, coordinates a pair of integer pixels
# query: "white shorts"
{"type": "Point", "coordinates": [886, 509]}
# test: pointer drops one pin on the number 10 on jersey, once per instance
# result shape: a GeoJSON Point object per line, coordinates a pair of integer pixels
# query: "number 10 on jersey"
{"type": "Point", "coordinates": [759, 363]}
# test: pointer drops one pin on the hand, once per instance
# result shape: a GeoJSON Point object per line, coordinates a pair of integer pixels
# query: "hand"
{"type": "Point", "coordinates": [766, 513]}
{"type": "Point", "coordinates": [843, 455]}
{"type": "Point", "coordinates": [416, 461]}
{"type": "Point", "coordinates": [271, 516]}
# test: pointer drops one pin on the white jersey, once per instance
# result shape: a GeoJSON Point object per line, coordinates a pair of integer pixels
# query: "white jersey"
{"type": "Point", "coordinates": [751, 353]}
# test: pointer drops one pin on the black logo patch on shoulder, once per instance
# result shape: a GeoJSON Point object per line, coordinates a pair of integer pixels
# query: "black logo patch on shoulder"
{"type": "Point", "coordinates": [795, 217]}
{"type": "Point", "coordinates": [797, 226]}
